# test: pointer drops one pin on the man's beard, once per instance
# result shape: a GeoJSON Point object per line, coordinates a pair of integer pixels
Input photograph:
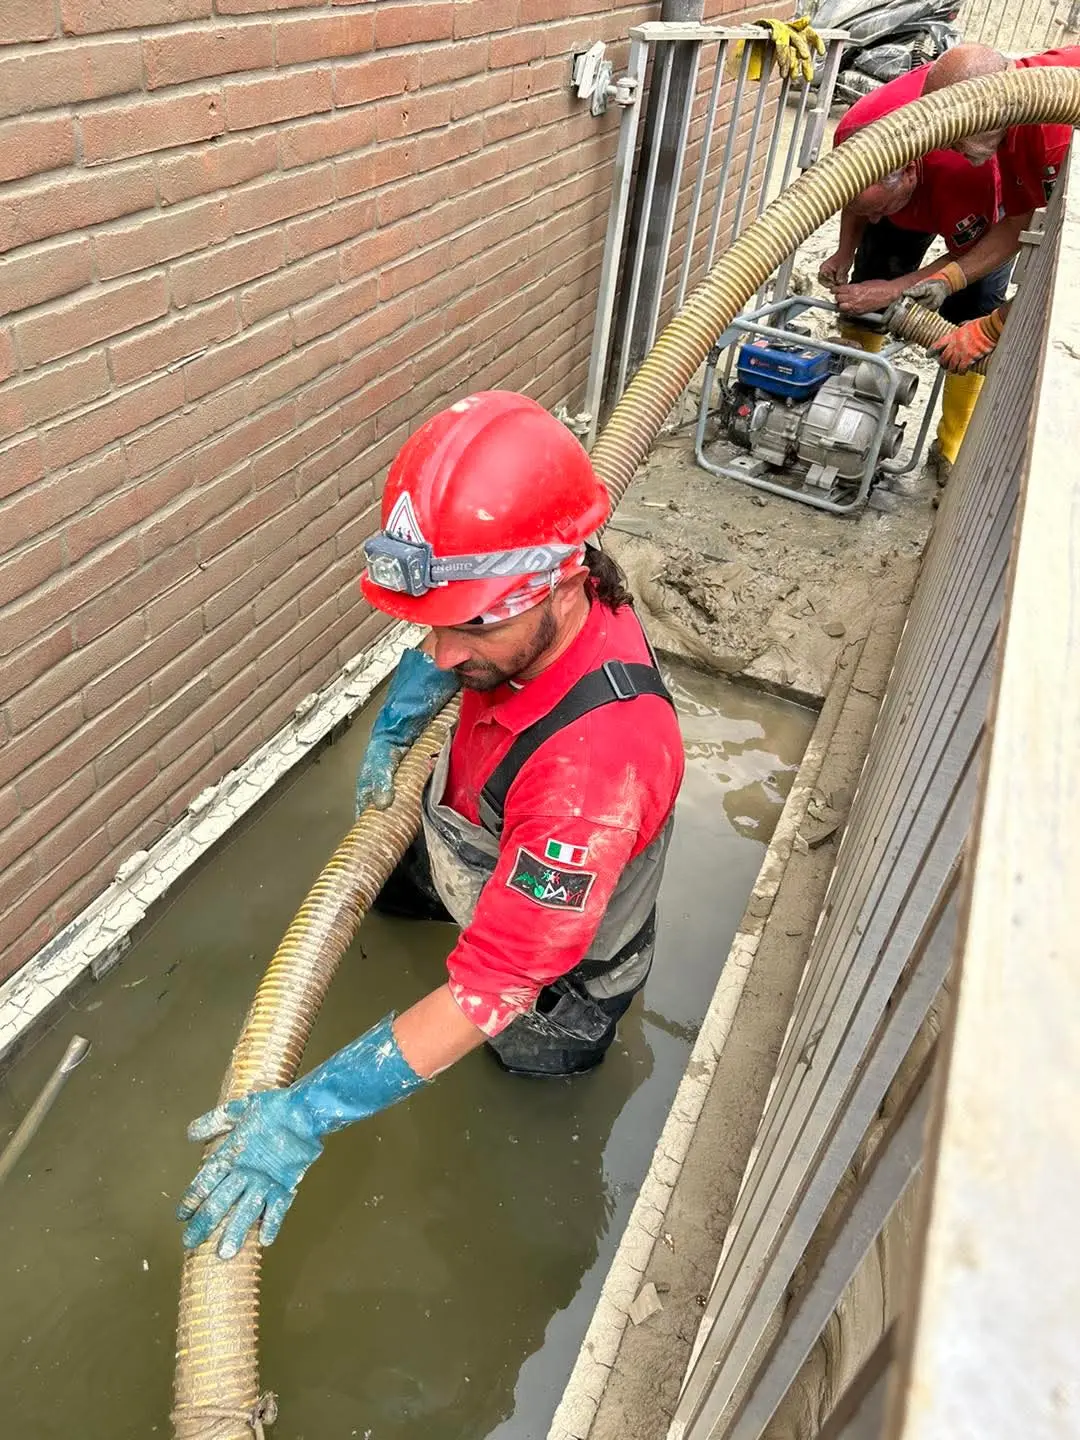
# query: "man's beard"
{"type": "Point", "coordinates": [483, 675]}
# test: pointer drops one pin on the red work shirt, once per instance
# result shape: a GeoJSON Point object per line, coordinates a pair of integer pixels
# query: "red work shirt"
{"type": "Point", "coordinates": [1031, 156]}
{"type": "Point", "coordinates": [594, 795]}
{"type": "Point", "coordinates": [953, 198]}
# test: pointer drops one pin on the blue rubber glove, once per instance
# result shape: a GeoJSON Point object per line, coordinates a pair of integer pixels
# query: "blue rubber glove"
{"type": "Point", "coordinates": [274, 1135]}
{"type": "Point", "coordinates": [417, 693]}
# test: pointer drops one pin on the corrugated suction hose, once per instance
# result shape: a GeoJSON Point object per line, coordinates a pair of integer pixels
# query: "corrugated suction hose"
{"type": "Point", "coordinates": [908, 320]}
{"type": "Point", "coordinates": [217, 1391]}
{"type": "Point", "coordinates": [217, 1377]}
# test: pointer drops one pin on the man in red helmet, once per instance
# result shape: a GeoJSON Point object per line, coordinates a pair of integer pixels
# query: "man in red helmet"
{"type": "Point", "coordinates": [547, 818]}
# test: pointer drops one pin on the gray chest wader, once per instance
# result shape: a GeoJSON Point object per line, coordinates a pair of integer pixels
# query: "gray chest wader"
{"type": "Point", "coordinates": [574, 1019]}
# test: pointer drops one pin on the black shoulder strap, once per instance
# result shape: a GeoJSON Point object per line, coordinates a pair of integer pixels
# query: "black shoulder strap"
{"type": "Point", "coordinates": [613, 682]}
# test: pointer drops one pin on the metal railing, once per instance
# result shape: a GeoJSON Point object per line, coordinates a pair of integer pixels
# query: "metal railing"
{"type": "Point", "coordinates": [956, 846]}
{"type": "Point", "coordinates": [1018, 28]}
{"type": "Point", "coordinates": [733, 139]}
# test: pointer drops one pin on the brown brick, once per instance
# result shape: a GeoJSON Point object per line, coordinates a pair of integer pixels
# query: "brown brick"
{"type": "Point", "coordinates": [75, 674]}
{"type": "Point", "coordinates": [67, 74]}
{"type": "Point", "coordinates": [482, 94]}
{"type": "Point", "coordinates": [400, 22]}
{"type": "Point", "coordinates": [285, 457]}
{"type": "Point", "coordinates": [218, 166]}
{"type": "Point", "coordinates": [22, 669]}
{"type": "Point", "coordinates": [516, 48]}
{"type": "Point", "coordinates": [374, 78]}
{"type": "Point", "coordinates": [152, 731]}
{"type": "Point", "coordinates": [104, 311]}
{"type": "Point", "coordinates": [193, 509]}
{"type": "Point", "coordinates": [275, 199]}
{"type": "Point", "coordinates": [441, 64]}
{"type": "Point", "coordinates": [173, 340]}
{"type": "Point", "coordinates": [22, 20]}
{"type": "Point", "coordinates": [45, 274]}
{"type": "Point", "coordinates": [26, 570]}
{"type": "Point", "coordinates": [484, 17]}
{"type": "Point", "coordinates": [143, 243]}
{"type": "Point", "coordinates": [64, 593]}
{"type": "Point", "coordinates": [85, 434]}
{"type": "Point", "coordinates": [138, 127]}
{"type": "Point", "coordinates": [290, 374]}
{"type": "Point", "coordinates": [250, 103]}
{"type": "Point", "coordinates": [416, 270]}
{"type": "Point", "coordinates": [379, 322]}
{"type": "Point", "coordinates": [29, 937]}
{"type": "Point", "coordinates": [296, 283]}
{"type": "Point", "coordinates": [312, 140]}
{"type": "Point", "coordinates": [40, 397]}
{"type": "Point", "coordinates": [225, 268]}
{"type": "Point", "coordinates": [413, 113]}
{"type": "Point", "coordinates": [247, 7]}
{"type": "Point", "coordinates": [31, 146]}
{"type": "Point", "coordinates": [8, 364]}
{"type": "Point", "coordinates": [239, 357]}
{"type": "Point", "coordinates": [82, 17]}
{"type": "Point", "coordinates": [176, 56]}
{"type": "Point", "coordinates": [73, 201]}
{"type": "Point", "coordinates": [140, 663]}
{"type": "Point", "coordinates": [354, 175]}
{"type": "Point", "coordinates": [131, 595]}
{"type": "Point", "coordinates": [184, 429]}
{"type": "Point", "coordinates": [329, 227]}
{"type": "Point", "coordinates": [126, 510]}
{"type": "Point", "coordinates": [317, 37]}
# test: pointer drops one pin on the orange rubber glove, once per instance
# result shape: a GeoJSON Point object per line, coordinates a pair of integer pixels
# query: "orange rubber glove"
{"type": "Point", "coordinates": [967, 344]}
{"type": "Point", "coordinates": [936, 288]}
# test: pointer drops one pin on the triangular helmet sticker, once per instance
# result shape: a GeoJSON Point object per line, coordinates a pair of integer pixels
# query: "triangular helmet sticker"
{"type": "Point", "coordinates": [403, 524]}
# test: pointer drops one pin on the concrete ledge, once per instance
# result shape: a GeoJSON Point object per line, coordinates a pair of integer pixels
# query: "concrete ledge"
{"type": "Point", "coordinates": [95, 940]}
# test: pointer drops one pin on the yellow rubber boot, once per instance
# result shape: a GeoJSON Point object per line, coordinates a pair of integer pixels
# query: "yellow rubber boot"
{"type": "Point", "coordinates": [958, 397]}
{"type": "Point", "coordinates": [865, 339]}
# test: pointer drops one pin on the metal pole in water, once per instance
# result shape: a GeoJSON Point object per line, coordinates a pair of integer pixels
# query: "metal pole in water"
{"type": "Point", "coordinates": [77, 1051]}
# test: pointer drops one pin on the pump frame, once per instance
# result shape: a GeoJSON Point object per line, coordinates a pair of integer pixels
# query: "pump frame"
{"type": "Point", "coordinates": [784, 311]}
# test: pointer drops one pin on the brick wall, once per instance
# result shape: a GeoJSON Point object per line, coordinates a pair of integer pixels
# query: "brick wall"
{"type": "Point", "coordinates": [245, 246]}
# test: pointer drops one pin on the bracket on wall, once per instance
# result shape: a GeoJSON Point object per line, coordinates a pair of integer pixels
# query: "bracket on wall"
{"type": "Point", "coordinates": [594, 80]}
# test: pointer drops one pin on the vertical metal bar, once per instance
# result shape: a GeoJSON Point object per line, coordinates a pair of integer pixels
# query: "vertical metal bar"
{"type": "Point", "coordinates": [894, 1164]}
{"type": "Point", "coordinates": [751, 144]}
{"type": "Point", "coordinates": [609, 269]}
{"type": "Point", "coordinates": [673, 198]}
{"type": "Point", "coordinates": [819, 115]}
{"type": "Point", "coordinates": [639, 249]}
{"type": "Point", "coordinates": [774, 145]}
{"type": "Point", "coordinates": [729, 150]}
{"type": "Point", "coordinates": [783, 275]}
{"type": "Point", "coordinates": [703, 170]}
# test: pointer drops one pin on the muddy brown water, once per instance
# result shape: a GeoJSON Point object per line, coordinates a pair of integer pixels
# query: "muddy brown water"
{"type": "Point", "coordinates": [438, 1269]}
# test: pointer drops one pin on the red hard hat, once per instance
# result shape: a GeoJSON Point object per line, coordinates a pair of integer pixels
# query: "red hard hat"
{"type": "Point", "coordinates": [493, 473]}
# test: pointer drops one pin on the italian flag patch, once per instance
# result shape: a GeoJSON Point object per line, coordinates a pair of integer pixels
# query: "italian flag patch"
{"type": "Point", "coordinates": [564, 854]}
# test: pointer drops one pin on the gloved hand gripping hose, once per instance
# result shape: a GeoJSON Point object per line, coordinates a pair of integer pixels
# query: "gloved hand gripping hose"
{"type": "Point", "coordinates": [217, 1395]}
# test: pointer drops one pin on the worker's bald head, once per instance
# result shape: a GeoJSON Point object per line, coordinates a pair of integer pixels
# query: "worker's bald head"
{"type": "Point", "coordinates": [968, 62]}
{"type": "Point", "coordinates": [888, 196]}
{"type": "Point", "coordinates": [963, 62]}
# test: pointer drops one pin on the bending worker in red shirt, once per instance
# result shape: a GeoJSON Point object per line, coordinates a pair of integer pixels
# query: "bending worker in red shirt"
{"type": "Point", "coordinates": [547, 818]}
{"type": "Point", "coordinates": [978, 197]}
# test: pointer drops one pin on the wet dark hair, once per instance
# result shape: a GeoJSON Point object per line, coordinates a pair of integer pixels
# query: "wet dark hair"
{"type": "Point", "coordinates": [607, 580]}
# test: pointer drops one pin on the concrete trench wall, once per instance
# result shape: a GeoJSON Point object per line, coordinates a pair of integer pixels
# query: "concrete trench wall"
{"type": "Point", "coordinates": [245, 247]}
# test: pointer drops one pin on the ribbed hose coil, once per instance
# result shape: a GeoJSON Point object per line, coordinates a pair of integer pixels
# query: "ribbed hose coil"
{"type": "Point", "coordinates": [908, 320]}
{"type": "Point", "coordinates": [992, 102]}
{"type": "Point", "coordinates": [217, 1373]}
{"type": "Point", "coordinates": [217, 1390]}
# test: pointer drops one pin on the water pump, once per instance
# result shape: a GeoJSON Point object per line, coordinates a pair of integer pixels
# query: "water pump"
{"type": "Point", "coordinates": [794, 410]}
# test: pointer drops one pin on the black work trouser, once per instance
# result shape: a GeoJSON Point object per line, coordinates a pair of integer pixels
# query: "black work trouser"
{"type": "Point", "coordinates": [535, 1043]}
{"type": "Point", "coordinates": [886, 252]}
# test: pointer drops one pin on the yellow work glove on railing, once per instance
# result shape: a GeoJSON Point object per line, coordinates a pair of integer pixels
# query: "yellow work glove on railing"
{"type": "Point", "coordinates": [793, 40]}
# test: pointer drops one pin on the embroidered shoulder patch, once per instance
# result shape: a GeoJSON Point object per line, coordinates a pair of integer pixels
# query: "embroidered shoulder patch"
{"type": "Point", "coordinates": [548, 884]}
